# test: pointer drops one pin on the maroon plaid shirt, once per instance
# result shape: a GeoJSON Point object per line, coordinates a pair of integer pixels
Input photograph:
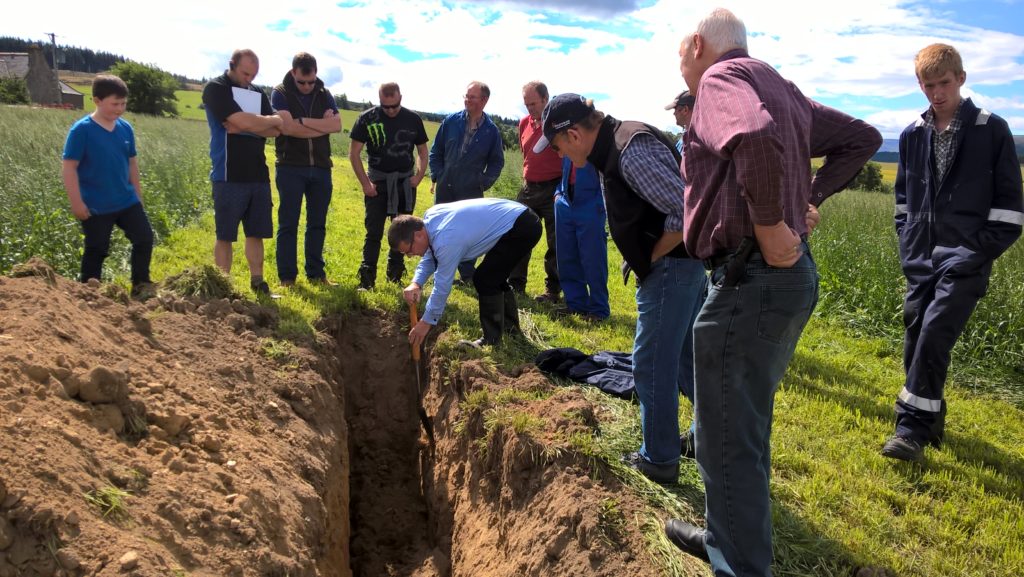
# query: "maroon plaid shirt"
{"type": "Point", "coordinates": [748, 154]}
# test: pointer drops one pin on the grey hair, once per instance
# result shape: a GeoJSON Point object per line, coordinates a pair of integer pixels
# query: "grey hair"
{"type": "Point", "coordinates": [722, 31]}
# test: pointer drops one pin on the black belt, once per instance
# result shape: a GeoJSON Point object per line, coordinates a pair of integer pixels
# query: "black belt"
{"type": "Point", "coordinates": [735, 262]}
{"type": "Point", "coordinates": [723, 257]}
{"type": "Point", "coordinates": [535, 182]}
{"type": "Point", "coordinates": [748, 247]}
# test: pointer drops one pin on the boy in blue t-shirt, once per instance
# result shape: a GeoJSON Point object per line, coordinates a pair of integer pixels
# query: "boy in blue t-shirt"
{"type": "Point", "coordinates": [101, 177]}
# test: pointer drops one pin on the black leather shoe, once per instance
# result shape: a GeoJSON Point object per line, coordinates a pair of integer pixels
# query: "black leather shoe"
{"type": "Point", "coordinates": [687, 445]}
{"type": "Point", "coordinates": [689, 538]}
{"type": "Point", "coordinates": [548, 297]}
{"type": "Point", "coordinates": [903, 449]}
{"type": "Point", "coordinates": [660, 474]}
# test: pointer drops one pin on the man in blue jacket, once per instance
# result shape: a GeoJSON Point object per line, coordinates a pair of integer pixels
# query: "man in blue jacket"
{"type": "Point", "coordinates": [958, 207]}
{"type": "Point", "coordinates": [467, 156]}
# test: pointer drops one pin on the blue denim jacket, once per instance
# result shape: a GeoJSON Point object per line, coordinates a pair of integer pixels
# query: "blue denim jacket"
{"type": "Point", "coordinates": [460, 176]}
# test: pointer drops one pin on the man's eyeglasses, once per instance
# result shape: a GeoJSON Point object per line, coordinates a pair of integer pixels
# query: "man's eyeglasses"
{"type": "Point", "coordinates": [305, 82]}
{"type": "Point", "coordinates": [391, 106]}
{"type": "Point", "coordinates": [551, 143]}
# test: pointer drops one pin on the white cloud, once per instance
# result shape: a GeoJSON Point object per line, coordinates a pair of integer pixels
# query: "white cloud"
{"type": "Point", "coordinates": [892, 122]}
{"type": "Point", "coordinates": [856, 55]}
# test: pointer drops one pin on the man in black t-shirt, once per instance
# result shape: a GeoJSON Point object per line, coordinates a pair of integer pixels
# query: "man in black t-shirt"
{"type": "Point", "coordinates": [240, 119]}
{"type": "Point", "coordinates": [389, 133]}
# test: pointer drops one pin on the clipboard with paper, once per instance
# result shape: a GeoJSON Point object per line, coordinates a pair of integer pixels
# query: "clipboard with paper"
{"type": "Point", "coordinates": [250, 101]}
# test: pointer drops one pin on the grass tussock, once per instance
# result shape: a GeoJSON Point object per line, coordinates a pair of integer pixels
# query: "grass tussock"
{"type": "Point", "coordinates": [111, 502]}
{"type": "Point", "coordinates": [203, 281]}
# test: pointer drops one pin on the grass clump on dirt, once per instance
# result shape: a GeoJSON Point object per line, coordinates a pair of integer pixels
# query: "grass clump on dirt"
{"type": "Point", "coordinates": [203, 281]}
{"type": "Point", "coordinates": [111, 502]}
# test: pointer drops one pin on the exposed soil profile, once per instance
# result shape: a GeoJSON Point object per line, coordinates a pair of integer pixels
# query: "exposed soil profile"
{"type": "Point", "coordinates": [177, 438]}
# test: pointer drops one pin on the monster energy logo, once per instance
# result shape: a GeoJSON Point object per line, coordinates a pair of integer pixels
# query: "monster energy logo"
{"type": "Point", "coordinates": [376, 130]}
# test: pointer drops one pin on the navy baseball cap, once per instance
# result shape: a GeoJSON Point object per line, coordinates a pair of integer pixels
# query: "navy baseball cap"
{"type": "Point", "coordinates": [684, 99]}
{"type": "Point", "coordinates": [561, 112]}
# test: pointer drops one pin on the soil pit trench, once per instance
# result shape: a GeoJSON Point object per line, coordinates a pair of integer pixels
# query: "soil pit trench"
{"type": "Point", "coordinates": [489, 501]}
{"type": "Point", "coordinates": [391, 531]}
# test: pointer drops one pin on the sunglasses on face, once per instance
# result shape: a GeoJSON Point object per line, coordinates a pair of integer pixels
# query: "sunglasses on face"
{"type": "Point", "coordinates": [306, 82]}
{"type": "Point", "coordinates": [391, 106]}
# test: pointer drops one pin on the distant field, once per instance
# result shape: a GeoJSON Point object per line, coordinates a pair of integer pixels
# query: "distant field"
{"type": "Point", "coordinates": [889, 171]}
{"type": "Point", "coordinates": [189, 102]}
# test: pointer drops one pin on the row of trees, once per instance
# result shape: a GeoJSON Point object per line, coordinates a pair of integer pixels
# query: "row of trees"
{"type": "Point", "coordinates": [508, 127]}
{"type": "Point", "coordinates": [870, 178]}
{"type": "Point", "coordinates": [69, 57]}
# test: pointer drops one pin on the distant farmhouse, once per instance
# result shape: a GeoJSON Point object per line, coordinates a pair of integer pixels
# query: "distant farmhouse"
{"type": "Point", "coordinates": [43, 87]}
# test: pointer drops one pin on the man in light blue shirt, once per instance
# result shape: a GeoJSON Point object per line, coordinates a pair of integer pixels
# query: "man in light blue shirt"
{"type": "Point", "coordinates": [450, 233]}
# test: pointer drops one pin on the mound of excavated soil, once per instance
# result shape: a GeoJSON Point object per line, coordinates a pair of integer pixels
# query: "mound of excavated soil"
{"type": "Point", "coordinates": [176, 438]}
{"type": "Point", "coordinates": [226, 462]}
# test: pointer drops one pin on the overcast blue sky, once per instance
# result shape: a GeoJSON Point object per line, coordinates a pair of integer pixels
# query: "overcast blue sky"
{"type": "Point", "coordinates": [854, 55]}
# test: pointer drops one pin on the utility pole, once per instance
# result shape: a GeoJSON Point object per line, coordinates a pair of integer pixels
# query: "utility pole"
{"type": "Point", "coordinates": [56, 67]}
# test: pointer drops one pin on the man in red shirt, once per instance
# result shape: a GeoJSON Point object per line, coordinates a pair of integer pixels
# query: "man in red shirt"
{"type": "Point", "coordinates": [542, 171]}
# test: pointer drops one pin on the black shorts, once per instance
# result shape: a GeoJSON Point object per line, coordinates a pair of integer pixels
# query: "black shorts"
{"type": "Point", "coordinates": [246, 202]}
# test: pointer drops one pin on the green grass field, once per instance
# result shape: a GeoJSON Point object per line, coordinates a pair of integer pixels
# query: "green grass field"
{"type": "Point", "coordinates": [838, 505]}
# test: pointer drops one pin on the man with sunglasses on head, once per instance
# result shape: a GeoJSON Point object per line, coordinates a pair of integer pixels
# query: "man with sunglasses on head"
{"type": "Point", "coordinates": [389, 133]}
{"type": "Point", "coordinates": [309, 115]}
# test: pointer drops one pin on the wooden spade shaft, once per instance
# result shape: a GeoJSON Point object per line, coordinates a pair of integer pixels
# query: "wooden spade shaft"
{"type": "Point", "coordinates": [428, 427]}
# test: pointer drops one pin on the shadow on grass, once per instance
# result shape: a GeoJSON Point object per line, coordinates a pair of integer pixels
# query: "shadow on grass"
{"type": "Point", "coordinates": [815, 376]}
{"type": "Point", "coordinates": [800, 549]}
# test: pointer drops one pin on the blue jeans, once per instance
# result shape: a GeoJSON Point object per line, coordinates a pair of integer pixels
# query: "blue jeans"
{"type": "Point", "coordinates": [667, 302]}
{"type": "Point", "coordinates": [294, 183]}
{"type": "Point", "coordinates": [744, 338]}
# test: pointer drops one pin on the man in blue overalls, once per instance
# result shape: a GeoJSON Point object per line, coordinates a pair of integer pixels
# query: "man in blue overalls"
{"type": "Point", "coordinates": [582, 243]}
{"type": "Point", "coordinates": [958, 207]}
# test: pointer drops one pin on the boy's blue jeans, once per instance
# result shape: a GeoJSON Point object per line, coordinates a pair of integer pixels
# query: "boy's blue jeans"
{"type": "Point", "coordinates": [744, 338]}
